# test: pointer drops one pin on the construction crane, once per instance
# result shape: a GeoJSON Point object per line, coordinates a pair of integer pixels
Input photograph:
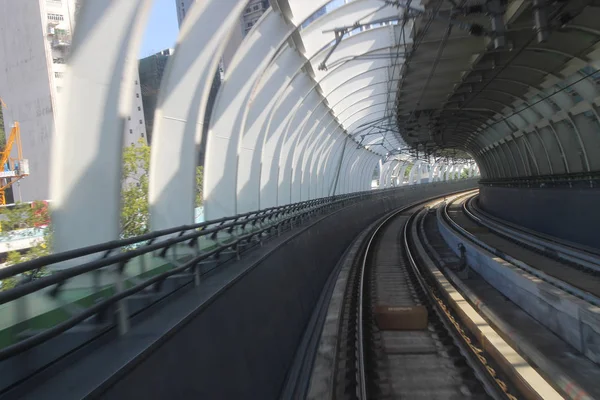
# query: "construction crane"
{"type": "Point", "coordinates": [12, 169]}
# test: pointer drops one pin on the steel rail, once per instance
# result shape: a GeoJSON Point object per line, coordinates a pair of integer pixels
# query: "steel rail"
{"type": "Point", "coordinates": [361, 374]}
{"type": "Point", "coordinates": [557, 248]}
{"type": "Point", "coordinates": [472, 359]}
{"type": "Point", "coordinates": [362, 385]}
{"type": "Point", "coordinates": [517, 263]}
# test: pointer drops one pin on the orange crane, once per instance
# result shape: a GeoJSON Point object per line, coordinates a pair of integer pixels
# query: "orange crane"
{"type": "Point", "coordinates": [11, 169]}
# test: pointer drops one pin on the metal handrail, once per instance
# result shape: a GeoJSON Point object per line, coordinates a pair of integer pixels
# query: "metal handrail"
{"type": "Point", "coordinates": [276, 218]}
{"type": "Point", "coordinates": [152, 236]}
{"type": "Point", "coordinates": [288, 214]}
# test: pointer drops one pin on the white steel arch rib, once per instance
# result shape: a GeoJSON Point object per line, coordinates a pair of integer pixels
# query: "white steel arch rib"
{"type": "Point", "coordinates": [305, 184]}
{"type": "Point", "coordinates": [281, 130]}
{"type": "Point", "coordinates": [284, 129]}
{"type": "Point", "coordinates": [87, 149]}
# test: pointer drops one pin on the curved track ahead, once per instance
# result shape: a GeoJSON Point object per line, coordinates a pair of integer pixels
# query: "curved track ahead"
{"type": "Point", "coordinates": [433, 363]}
{"type": "Point", "coordinates": [577, 277]}
{"type": "Point", "coordinates": [410, 364]}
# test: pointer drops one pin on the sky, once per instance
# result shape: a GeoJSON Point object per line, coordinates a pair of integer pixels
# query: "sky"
{"type": "Point", "coordinates": [161, 32]}
{"type": "Point", "coordinates": [162, 29]}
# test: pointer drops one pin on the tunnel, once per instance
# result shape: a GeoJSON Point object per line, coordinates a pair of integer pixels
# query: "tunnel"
{"type": "Point", "coordinates": [347, 109]}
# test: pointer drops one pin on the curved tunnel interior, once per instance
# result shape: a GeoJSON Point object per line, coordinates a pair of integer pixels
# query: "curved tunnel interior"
{"type": "Point", "coordinates": [330, 97]}
{"type": "Point", "coordinates": [322, 107]}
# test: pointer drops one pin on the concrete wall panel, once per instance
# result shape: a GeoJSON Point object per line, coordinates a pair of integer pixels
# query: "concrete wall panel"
{"type": "Point", "coordinates": [260, 319]}
{"type": "Point", "coordinates": [567, 213]}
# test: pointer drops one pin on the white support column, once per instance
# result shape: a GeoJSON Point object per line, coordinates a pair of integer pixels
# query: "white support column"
{"type": "Point", "coordinates": [345, 167]}
{"type": "Point", "coordinates": [413, 172]}
{"type": "Point", "coordinates": [327, 164]}
{"type": "Point", "coordinates": [394, 175]}
{"type": "Point", "coordinates": [315, 147]}
{"type": "Point", "coordinates": [321, 160]}
{"type": "Point", "coordinates": [305, 146]}
{"type": "Point", "coordinates": [384, 173]}
{"type": "Point", "coordinates": [402, 173]}
{"type": "Point", "coordinates": [366, 162]}
{"type": "Point", "coordinates": [254, 128]}
{"type": "Point", "coordinates": [275, 180]}
{"type": "Point", "coordinates": [334, 164]}
{"type": "Point", "coordinates": [180, 112]}
{"type": "Point", "coordinates": [434, 170]}
{"type": "Point", "coordinates": [374, 159]}
{"type": "Point", "coordinates": [87, 146]}
{"type": "Point", "coordinates": [445, 172]}
{"type": "Point", "coordinates": [313, 126]}
{"type": "Point", "coordinates": [393, 166]}
{"type": "Point", "coordinates": [352, 166]}
{"type": "Point", "coordinates": [248, 64]}
{"type": "Point", "coordinates": [358, 171]}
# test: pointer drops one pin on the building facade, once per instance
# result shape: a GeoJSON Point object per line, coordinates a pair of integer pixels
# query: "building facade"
{"type": "Point", "coordinates": [253, 11]}
{"type": "Point", "coordinates": [151, 70]}
{"type": "Point", "coordinates": [33, 54]}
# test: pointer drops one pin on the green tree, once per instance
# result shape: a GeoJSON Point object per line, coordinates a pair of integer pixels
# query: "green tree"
{"type": "Point", "coordinates": [134, 210]}
{"type": "Point", "coordinates": [134, 206]}
{"type": "Point", "coordinates": [134, 200]}
{"type": "Point", "coordinates": [2, 133]}
{"type": "Point", "coordinates": [199, 185]}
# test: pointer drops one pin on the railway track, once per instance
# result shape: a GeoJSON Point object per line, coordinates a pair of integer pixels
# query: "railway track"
{"type": "Point", "coordinates": [581, 280]}
{"type": "Point", "coordinates": [441, 361]}
{"type": "Point", "coordinates": [579, 256]}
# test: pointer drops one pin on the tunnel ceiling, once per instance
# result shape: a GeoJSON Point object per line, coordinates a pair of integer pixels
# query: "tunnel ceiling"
{"type": "Point", "coordinates": [453, 74]}
{"type": "Point", "coordinates": [467, 85]}
{"type": "Point", "coordinates": [355, 53]}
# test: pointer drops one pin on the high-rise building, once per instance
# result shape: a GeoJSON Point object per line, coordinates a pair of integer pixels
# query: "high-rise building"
{"type": "Point", "coordinates": [36, 42]}
{"type": "Point", "coordinates": [152, 69]}
{"type": "Point", "coordinates": [253, 11]}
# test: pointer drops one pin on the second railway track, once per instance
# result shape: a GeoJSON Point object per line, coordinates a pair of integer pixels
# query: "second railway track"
{"type": "Point", "coordinates": [580, 281]}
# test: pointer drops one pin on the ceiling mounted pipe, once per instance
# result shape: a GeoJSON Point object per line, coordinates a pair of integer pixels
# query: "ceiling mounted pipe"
{"type": "Point", "coordinates": [496, 9]}
{"type": "Point", "coordinates": [540, 17]}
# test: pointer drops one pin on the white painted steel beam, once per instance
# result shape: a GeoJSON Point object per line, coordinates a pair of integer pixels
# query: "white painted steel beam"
{"type": "Point", "coordinates": [87, 148]}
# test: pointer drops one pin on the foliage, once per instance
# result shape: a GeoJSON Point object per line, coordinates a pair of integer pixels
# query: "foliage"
{"type": "Point", "coordinates": [464, 174]}
{"type": "Point", "coordinates": [199, 185]}
{"type": "Point", "coordinates": [2, 133]}
{"type": "Point", "coordinates": [454, 154]}
{"type": "Point", "coordinates": [134, 200]}
{"type": "Point", "coordinates": [407, 171]}
{"type": "Point", "coordinates": [134, 210]}
{"type": "Point", "coordinates": [134, 207]}
{"type": "Point", "coordinates": [26, 216]}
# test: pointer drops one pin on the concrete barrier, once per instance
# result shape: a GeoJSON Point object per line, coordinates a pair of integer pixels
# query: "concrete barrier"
{"type": "Point", "coordinates": [567, 213]}
{"type": "Point", "coordinates": [571, 318]}
{"type": "Point", "coordinates": [242, 344]}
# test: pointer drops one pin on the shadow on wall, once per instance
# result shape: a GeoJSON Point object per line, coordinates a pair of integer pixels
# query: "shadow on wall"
{"type": "Point", "coordinates": [571, 214]}
{"type": "Point", "coordinates": [242, 345]}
